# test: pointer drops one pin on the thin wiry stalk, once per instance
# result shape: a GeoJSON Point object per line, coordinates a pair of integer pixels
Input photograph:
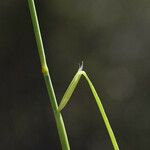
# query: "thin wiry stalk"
{"type": "Point", "coordinates": [45, 71]}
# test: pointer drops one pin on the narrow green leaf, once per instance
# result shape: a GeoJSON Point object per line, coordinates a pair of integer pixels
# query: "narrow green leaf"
{"type": "Point", "coordinates": [102, 111]}
{"type": "Point", "coordinates": [71, 89]}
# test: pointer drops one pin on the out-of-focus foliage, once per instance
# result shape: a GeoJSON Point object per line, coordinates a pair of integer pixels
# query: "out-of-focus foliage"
{"type": "Point", "coordinates": [111, 37]}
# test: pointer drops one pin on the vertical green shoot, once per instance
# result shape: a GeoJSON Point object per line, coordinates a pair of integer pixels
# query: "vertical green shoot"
{"type": "Point", "coordinates": [48, 82]}
{"type": "Point", "coordinates": [71, 89]}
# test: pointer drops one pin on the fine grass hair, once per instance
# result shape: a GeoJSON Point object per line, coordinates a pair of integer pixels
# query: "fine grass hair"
{"type": "Point", "coordinates": [57, 109]}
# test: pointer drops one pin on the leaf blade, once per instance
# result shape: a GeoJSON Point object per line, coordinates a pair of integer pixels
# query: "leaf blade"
{"type": "Point", "coordinates": [102, 111]}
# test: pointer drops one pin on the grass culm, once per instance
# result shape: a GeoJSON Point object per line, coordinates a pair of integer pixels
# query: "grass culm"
{"type": "Point", "coordinates": [57, 109]}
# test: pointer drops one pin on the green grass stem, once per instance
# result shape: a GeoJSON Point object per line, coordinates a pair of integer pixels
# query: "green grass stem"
{"type": "Point", "coordinates": [45, 71]}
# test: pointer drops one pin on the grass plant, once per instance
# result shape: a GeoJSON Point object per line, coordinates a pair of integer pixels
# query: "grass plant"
{"type": "Point", "coordinates": [57, 109]}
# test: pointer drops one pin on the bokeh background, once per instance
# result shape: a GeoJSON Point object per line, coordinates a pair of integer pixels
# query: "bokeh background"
{"type": "Point", "coordinates": [111, 37]}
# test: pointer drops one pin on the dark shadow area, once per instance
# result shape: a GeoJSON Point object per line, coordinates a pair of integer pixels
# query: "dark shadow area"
{"type": "Point", "coordinates": [111, 37]}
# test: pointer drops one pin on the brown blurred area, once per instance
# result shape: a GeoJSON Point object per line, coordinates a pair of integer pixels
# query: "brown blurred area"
{"type": "Point", "coordinates": [111, 37]}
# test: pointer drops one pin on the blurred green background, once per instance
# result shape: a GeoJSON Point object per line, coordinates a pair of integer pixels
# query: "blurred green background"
{"type": "Point", "coordinates": [111, 37]}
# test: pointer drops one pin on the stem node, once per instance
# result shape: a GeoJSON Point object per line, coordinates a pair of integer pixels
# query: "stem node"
{"type": "Point", "coordinates": [45, 70]}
